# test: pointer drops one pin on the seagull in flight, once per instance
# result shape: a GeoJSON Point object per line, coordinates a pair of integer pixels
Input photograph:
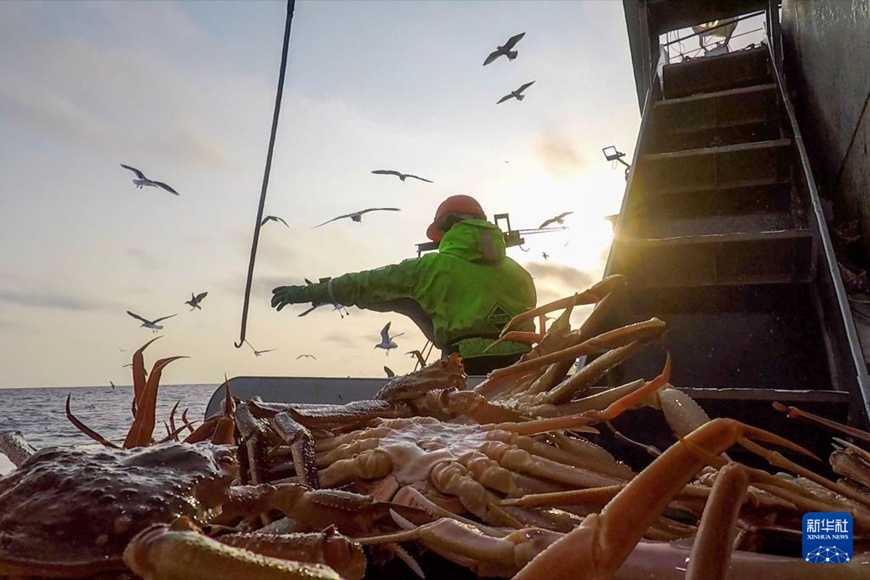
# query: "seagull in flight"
{"type": "Point", "coordinates": [517, 94]}
{"type": "Point", "coordinates": [400, 175]}
{"type": "Point", "coordinates": [386, 340]}
{"type": "Point", "coordinates": [306, 356]}
{"type": "Point", "coordinates": [273, 218]}
{"type": "Point", "coordinates": [546, 255]}
{"type": "Point", "coordinates": [152, 324]}
{"type": "Point", "coordinates": [258, 352]}
{"type": "Point", "coordinates": [196, 300]}
{"type": "Point", "coordinates": [505, 49]}
{"type": "Point", "coordinates": [142, 181]}
{"type": "Point", "coordinates": [357, 215]}
{"type": "Point", "coordinates": [559, 219]}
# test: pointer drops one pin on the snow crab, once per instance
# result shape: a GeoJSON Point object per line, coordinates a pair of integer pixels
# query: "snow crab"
{"type": "Point", "coordinates": [70, 512]}
{"type": "Point", "coordinates": [499, 479]}
{"type": "Point", "coordinates": [101, 510]}
{"type": "Point", "coordinates": [609, 542]}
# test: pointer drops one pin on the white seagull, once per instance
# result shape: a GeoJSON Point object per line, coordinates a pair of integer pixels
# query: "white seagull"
{"type": "Point", "coordinates": [152, 324]}
{"type": "Point", "coordinates": [273, 218]}
{"type": "Point", "coordinates": [517, 94]}
{"type": "Point", "coordinates": [258, 352]}
{"type": "Point", "coordinates": [386, 340]}
{"type": "Point", "coordinates": [196, 300]}
{"type": "Point", "coordinates": [306, 356]}
{"type": "Point", "coordinates": [143, 181]}
{"type": "Point", "coordinates": [505, 49]}
{"type": "Point", "coordinates": [559, 219]}
{"type": "Point", "coordinates": [399, 174]}
{"type": "Point", "coordinates": [357, 215]}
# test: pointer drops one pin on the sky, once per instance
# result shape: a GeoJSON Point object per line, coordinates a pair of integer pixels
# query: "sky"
{"type": "Point", "coordinates": [185, 91]}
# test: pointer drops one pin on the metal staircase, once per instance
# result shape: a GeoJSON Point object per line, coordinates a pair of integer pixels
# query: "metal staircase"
{"type": "Point", "coordinates": [721, 235]}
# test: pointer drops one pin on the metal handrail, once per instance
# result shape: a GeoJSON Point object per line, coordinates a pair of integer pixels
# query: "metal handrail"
{"type": "Point", "coordinates": [727, 23]}
{"type": "Point", "coordinates": [827, 245]}
{"type": "Point", "coordinates": [645, 120]}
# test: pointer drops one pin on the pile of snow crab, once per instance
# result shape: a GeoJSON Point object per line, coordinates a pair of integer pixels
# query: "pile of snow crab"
{"type": "Point", "coordinates": [500, 479]}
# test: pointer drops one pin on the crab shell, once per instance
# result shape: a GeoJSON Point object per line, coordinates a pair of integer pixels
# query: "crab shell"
{"type": "Point", "coordinates": [71, 511]}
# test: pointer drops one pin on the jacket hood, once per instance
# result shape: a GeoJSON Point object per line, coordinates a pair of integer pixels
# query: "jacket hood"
{"type": "Point", "coordinates": [474, 240]}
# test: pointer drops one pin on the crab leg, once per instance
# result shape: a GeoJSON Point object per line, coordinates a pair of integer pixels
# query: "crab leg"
{"type": "Point", "coordinates": [225, 427]}
{"type": "Point", "coordinates": [85, 429]}
{"type": "Point", "coordinates": [640, 332]}
{"type": "Point", "coordinates": [301, 444]}
{"type": "Point", "coordinates": [601, 544]}
{"type": "Point", "coordinates": [590, 296]}
{"type": "Point", "coordinates": [204, 431]}
{"type": "Point", "coordinates": [588, 375]}
{"type": "Point", "coordinates": [465, 545]}
{"type": "Point", "coordinates": [139, 374]}
{"type": "Point", "coordinates": [14, 446]}
{"type": "Point", "coordinates": [711, 551]}
{"type": "Point", "coordinates": [794, 412]}
{"type": "Point", "coordinates": [328, 547]}
{"type": "Point", "coordinates": [163, 552]}
{"type": "Point", "coordinates": [146, 406]}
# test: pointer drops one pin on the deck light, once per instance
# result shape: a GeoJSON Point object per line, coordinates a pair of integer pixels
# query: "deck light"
{"type": "Point", "coordinates": [611, 153]}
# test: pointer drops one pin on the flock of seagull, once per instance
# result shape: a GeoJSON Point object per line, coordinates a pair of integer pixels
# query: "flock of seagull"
{"type": "Point", "coordinates": [387, 342]}
{"type": "Point", "coordinates": [507, 50]}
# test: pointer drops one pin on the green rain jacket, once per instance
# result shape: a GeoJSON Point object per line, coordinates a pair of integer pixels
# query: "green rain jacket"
{"type": "Point", "coordinates": [460, 297]}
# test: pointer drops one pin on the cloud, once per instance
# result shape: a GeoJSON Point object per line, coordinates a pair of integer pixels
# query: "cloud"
{"type": "Point", "coordinates": [12, 325]}
{"type": "Point", "coordinates": [32, 105]}
{"type": "Point", "coordinates": [146, 259]}
{"type": "Point", "coordinates": [262, 287]}
{"type": "Point", "coordinates": [559, 154]}
{"type": "Point", "coordinates": [571, 278]}
{"type": "Point", "coordinates": [72, 90]}
{"type": "Point", "coordinates": [344, 340]}
{"type": "Point", "coordinates": [49, 300]}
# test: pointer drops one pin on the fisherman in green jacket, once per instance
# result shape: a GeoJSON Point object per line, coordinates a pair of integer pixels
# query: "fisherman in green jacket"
{"type": "Point", "coordinates": [460, 297]}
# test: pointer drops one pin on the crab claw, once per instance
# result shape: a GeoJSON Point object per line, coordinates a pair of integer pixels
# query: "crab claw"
{"type": "Point", "coordinates": [181, 551]}
{"type": "Point", "coordinates": [146, 404]}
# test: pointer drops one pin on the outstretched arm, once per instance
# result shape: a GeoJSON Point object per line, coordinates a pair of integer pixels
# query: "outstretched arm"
{"type": "Point", "coordinates": [370, 287]}
{"type": "Point", "coordinates": [365, 289]}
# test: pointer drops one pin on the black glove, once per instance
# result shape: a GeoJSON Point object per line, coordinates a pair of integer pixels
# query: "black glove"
{"type": "Point", "coordinates": [284, 295]}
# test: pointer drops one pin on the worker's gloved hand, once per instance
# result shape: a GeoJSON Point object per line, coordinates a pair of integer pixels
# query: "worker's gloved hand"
{"type": "Point", "coordinates": [284, 295]}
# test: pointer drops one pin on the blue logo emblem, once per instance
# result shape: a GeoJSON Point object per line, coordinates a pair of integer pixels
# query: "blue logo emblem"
{"type": "Point", "coordinates": [827, 537]}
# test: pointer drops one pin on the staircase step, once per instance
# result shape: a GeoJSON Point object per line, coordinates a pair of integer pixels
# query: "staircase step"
{"type": "Point", "coordinates": [716, 73]}
{"type": "Point", "coordinates": [774, 257]}
{"type": "Point", "coordinates": [742, 165]}
{"type": "Point", "coordinates": [728, 117]}
{"type": "Point", "coordinates": [713, 211]}
{"type": "Point", "coordinates": [709, 225]}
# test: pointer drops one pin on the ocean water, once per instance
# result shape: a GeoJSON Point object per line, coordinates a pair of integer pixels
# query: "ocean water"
{"type": "Point", "coordinates": [40, 414]}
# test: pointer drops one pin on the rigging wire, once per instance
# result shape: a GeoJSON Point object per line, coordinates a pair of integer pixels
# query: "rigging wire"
{"type": "Point", "coordinates": [290, 6]}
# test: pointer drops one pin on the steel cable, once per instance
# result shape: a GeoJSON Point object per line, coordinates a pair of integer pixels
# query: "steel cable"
{"type": "Point", "coordinates": [290, 6]}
